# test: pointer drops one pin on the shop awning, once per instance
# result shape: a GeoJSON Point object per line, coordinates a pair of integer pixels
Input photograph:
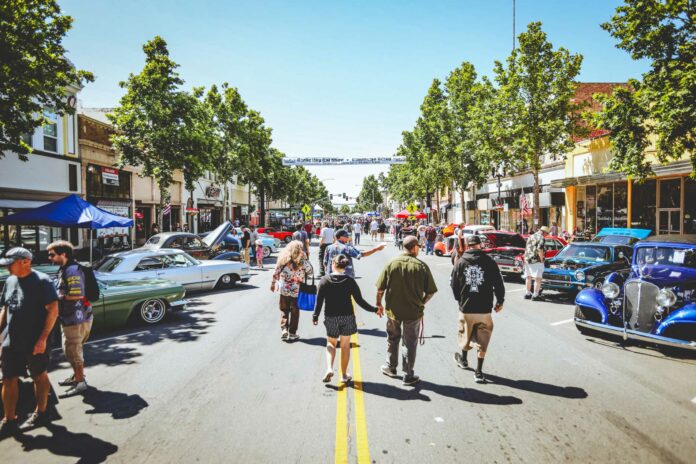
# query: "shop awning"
{"type": "Point", "coordinates": [587, 180]}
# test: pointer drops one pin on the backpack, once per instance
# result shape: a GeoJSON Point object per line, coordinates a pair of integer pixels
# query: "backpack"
{"type": "Point", "coordinates": [92, 292]}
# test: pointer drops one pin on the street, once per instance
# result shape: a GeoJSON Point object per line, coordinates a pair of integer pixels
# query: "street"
{"type": "Point", "coordinates": [216, 384]}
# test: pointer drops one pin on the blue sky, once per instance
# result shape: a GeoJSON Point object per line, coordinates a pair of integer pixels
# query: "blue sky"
{"type": "Point", "coordinates": [330, 77]}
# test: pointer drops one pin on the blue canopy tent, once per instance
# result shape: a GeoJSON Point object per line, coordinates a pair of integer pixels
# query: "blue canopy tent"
{"type": "Point", "coordinates": [71, 211]}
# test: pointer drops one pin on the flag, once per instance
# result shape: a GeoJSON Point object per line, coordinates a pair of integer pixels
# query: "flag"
{"type": "Point", "coordinates": [167, 209]}
{"type": "Point", "coordinates": [524, 206]}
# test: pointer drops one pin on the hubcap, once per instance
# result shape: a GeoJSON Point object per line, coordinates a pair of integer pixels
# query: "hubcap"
{"type": "Point", "coordinates": [226, 279]}
{"type": "Point", "coordinates": [153, 310]}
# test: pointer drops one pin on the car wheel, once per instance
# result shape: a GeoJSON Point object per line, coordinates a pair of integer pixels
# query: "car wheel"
{"type": "Point", "coordinates": [153, 311]}
{"type": "Point", "coordinates": [267, 251]}
{"type": "Point", "coordinates": [581, 329]}
{"type": "Point", "coordinates": [438, 252]}
{"type": "Point", "coordinates": [288, 239]}
{"type": "Point", "coordinates": [227, 281]}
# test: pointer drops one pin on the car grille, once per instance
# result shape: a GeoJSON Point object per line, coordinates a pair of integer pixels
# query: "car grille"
{"type": "Point", "coordinates": [561, 277]}
{"type": "Point", "coordinates": [504, 260]}
{"type": "Point", "coordinates": [640, 305]}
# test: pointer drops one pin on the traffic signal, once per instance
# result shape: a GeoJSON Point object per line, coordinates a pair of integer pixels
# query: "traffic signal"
{"type": "Point", "coordinates": [331, 196]}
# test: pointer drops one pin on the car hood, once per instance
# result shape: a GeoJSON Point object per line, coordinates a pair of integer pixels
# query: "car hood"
{"type": "Point", "coordinates": [572, 264]}
{"type": "Point", "coordinates": [665, 276]}
{"type": "Point", "coordinates": [213, 238]}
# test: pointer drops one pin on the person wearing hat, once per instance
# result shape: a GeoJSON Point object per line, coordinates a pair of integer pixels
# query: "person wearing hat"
{"type": "Point", "coordinates": [408, 285]}
{"type": "Point", "coordinates": [475, 280]}
{"type": "Point", "coordinates": [534, 256]}
{"type": "Point", "coordinates": [342, 247]}
{"type": "Point", "coordinates": [28, 309]}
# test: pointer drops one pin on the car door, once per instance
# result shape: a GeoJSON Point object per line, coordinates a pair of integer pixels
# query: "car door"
{"type": "Point", "coordinates": [180, 270]}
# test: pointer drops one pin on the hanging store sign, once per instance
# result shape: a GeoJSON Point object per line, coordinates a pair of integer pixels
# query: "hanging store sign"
{"type": "Point", "coordinates": [212, 192]}
{"type": "Point", "coordinates": [110, 176]}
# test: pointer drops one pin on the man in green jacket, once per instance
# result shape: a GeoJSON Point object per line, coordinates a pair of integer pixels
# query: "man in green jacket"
{"type": "Point", "coordinates": [408, 285]}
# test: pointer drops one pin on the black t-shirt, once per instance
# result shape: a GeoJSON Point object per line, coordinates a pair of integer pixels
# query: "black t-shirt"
{"type": "Point", "coordinates": [246, 237]}
{"type": "Point", "coordinates": [337, 290]}
{"type": "Point", "coordinates": [26, 300]}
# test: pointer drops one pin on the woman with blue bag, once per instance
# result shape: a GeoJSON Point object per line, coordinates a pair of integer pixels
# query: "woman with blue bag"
{"type": "Point", "coordinates": [292, 269]}
{"type": "Point", "coordinates": [337, 290]}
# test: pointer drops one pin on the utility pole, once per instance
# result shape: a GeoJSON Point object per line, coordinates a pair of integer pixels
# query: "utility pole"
{"type": "Point", "coordinates": [514, 43]}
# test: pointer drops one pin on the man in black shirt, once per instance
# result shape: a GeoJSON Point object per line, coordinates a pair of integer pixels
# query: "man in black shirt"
{"type": "Point", "coordinates": [29, 309]}
{"type": "Point", "coordinates": [475, 279]}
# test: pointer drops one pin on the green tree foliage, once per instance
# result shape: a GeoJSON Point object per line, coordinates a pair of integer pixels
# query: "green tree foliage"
{"type": "Point", "coordinates": [664, 101]}
{"type": "Point", "coordinates": [344, 210]}
{"type": "Point", "coordinates": [534, 113]}
{"type": "Point", "coordinates": [370, 195]}
{"type": "Point", "coordinates": [34, 72]}
{"type": "Point", "coordinates": [161, 127]}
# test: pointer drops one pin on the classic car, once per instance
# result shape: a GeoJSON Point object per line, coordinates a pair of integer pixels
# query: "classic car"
{"type": "Point", "coordinates": [505, 248]}
{"type": "Point", "coordinates": [584, 264]}
{"type": "Point", "coordinates": [50, 269]}
{"type": "Point", "coordinates": [446, 247]}
{"type": "Point", "coordinates": [270, 244]}
{"type": "Point", "coordinates": [621, 236]}
{"type": "Point", "coordinates": [654, 301]}
{"type": "Point", "coordinates": [146, 300]}
{"type": "Point", "coordinates": [174, 265]}
{"type": "Point", "coordinates": [212, 246]}
{"type": "Point", "coordinates": [282, 235]}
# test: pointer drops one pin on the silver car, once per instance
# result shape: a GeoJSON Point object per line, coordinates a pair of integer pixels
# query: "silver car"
{"type": "Point", "coordinates": [174, 265]}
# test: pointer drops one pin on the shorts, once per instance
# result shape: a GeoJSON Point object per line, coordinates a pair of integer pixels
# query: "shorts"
{"type": "Point", "coordinates": [475, 329]}
{"type": "Point", "coordinates": [15, 363]}
{"type": "Point", "coordinates": [340, 325]}
{"type": "Point", "coordinates": [534, 270]}
{"type": "Point", "coordinates": [74, 337]}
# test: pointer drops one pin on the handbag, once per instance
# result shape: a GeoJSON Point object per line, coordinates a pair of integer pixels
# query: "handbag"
{"type": "Point", "coordinates": [308, 294]}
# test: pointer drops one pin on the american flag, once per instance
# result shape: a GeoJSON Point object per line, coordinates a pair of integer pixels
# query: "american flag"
{"type": "Point", "coordinates": [167, 209]}
{"type": "Point", "coordinates": [524, 206]}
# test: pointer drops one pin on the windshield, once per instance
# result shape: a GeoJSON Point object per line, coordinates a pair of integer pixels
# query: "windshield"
{"type": "Point", "coordinates": [666, 256]}
{"type": "Point", "coordinates": [616, 239]}
{"type": "Point", "coordinates": [586, 252]}
{"type": "Point", "coordinates": [153, 240]}
{"type": "Point", "coordinates": [214, 234]}
{"type": "Point", "coordinates": [109, 264]}
{"type": "Point", "coordinates": [508, 240]}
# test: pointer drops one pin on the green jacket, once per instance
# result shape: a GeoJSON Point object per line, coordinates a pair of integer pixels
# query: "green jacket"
{"type": "Point", "coordinates": [406, 281]}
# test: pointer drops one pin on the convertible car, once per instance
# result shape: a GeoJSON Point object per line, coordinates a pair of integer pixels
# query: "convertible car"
{"type": "Point", "coordinates": [621, 236]}
{"type": "Point", "coordinates": [174, 265]}
{"type": "Point", "coordinates": [654, 301]}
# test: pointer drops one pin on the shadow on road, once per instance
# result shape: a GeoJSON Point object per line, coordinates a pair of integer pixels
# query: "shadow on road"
{"type": "Point", "coordinates": [373, 332]}
{"type": "Point", "coordinates": [62, 442]}
{"type": "Point", "coordinates": [459, 393]}
{"type": "Point", "coordinates": [316, 341]}
{"type": "Point", "coordinates": [538, 387]}
{"type": "Point", "coordinates": [119, 405]}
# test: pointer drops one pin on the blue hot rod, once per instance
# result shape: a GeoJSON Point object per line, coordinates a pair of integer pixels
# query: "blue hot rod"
{"type": "Point", "coordinates": [655, 301]}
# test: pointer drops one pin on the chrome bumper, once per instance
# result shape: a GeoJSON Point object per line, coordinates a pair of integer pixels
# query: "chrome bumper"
{"type": "Point", "coordinates": [245, 278]}
{"type": "Point", "coordinates": [635, 335]}
{"type": "Point", "coordinates": [178, 305]}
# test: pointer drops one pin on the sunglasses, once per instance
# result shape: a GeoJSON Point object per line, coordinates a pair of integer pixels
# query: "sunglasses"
{"type": "Point", "coordinates": [51, 255]}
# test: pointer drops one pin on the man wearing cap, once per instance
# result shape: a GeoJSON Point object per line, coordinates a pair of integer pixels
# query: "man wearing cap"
{"type": "Point", "coordinates": [475, 279]}
{"type": "Point", "coordinates": [29, 309]}
{"type": "Point", "coordinates": [408, 285]}
{"type": "Point", "coordinates": [534, 262]}
{"type": "Point", "coordinates": [342, 247]}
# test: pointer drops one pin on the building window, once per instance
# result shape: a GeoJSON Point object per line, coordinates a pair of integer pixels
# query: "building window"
{"type": "Point", "coordinates": [620, 204]}
{"type": "Point", "coordinates": [50, 132]}
{"type": "Point", "coordinates": [670, 193]}
{"type": "Point", "coordinates": [72, 177]}
{"type": "Point", "coordinates": [26, 138]}
{"type": "Point", "coordinates": [689, 206]}
{"type": "Point", "coordinates": [643, 202]}
{"type": "Point", "coordinates": [591, 209]}
{"type": "Point", "coordinates": [605, 206]}
{"type": "Point", "coordinates": [102, 183]}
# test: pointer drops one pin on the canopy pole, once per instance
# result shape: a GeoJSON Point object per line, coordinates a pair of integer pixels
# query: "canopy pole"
{"type": "Point", "coordinates": [91, 232]}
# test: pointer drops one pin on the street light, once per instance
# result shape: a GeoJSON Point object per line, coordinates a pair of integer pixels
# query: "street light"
{"type": "Point", "coordinates": [498, 172]}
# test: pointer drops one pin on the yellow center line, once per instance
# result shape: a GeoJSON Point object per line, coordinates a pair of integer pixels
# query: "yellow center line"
{"type": "Point", "coordinates": [360, 422]}
{"type": "Point", "coordinates": [341, 456]}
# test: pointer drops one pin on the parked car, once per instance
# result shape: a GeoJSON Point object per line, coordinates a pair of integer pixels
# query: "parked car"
{"type": "Point", "coordinates": [192, 245]}
{"type": "Point", "coordinates": [584, 264]}
{"type": "Point", "coordinates": [270, 244]}
{"type": "Point", "coordinates": [282, 235]}
{"type": "Point", "coordinates": [147, 300]}
{"type": "Point", "coordinates": [654, 301]}
{"type": "Point", "coordinates": [505, 248]}
{"type": "Point", "coordinates": [50, 269]}
{"type": "Point", "coordinates": [175, 265]}
{"type": "Point", "coordinates": [621, 236]}
{"type": "Point", "coordinates": [446, 247]}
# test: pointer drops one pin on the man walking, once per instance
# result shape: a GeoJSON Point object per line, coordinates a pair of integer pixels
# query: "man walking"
{"type": "Point", "coordinates": [29, 309]}
{"type": "Point", "coordinates": [75, 313]}
{"type": "Point", "coordinates": [301, 236]}
{"type": "Point", "coordinates": [357, 229]}
{"type": "Point", "coordinates": [534, 263]}
{"type": "Point", "coordinates": [342, 247]}
{"type": "Point", "coordinates": [408, 285]}
{"type": "Point", "coordinates": [475, 279]}
{"type": "Point", "coordinates": [430, 237]}
{"type": "Point", "coordinates": [326, 238]}
{"type": "Point", "coordinates": [246, 245]}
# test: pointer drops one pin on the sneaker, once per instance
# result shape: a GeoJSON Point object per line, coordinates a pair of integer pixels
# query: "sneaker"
{"type": "Point", "coordinates": [293, 337]}
{"type": "Point", "coordinates": [346, 378]}
{"type": "Point", "coordinates": [8, 429]}
{"type": "Point", "coordinates": [36, 420]}
{"type": "Point", "coordinates": [479, 377]}
{"type": "Point", "coordinates": [538, 298]}
{"type": "Point", "coordinates": [461, 360]}
{"type": "Point", "coordinates": [76, 390]}
{"type": "Point", "coordinates": [411, 380]}
{"type": "Point", "coordinates": [285, 335]}
{"type": "Point", "coordinates": [388, 371]}
{"type": "Point", "coordinates": [69, 382]}
{"type": "Point", "coordinates": [528, 296]}
{"type": "Point", "coordinates": [328, 376]}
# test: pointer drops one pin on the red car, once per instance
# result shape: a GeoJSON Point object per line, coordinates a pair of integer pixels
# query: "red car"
{"type": "Point", "coordinates": [282, 235]}
{"type": "Point", "coordinates": [512, 264]}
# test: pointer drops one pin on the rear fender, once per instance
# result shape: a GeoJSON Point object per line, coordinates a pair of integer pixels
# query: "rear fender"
{"type": "Point", "coordinates": [593, 298]}
{"type": "Point", "coordinates": [685, 315]}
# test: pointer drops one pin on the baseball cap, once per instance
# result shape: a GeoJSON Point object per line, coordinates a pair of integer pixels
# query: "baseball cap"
{"type": "Point", "coordinates": [15, 254]}
{"type": "Point", "coordinates": [472, 240]}
{"type": "Point", "coordinates": [544, 229]}
{"type": "Point", "coordinates": [341, 233]}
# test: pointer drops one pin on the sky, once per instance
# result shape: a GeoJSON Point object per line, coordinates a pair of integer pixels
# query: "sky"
{"type": "Point", "coordinates": [330, 77]}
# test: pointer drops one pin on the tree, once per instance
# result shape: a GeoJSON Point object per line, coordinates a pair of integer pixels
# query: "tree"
{"type": "Point", "coordinates": [161, 127]}
{"type": "Point", "coordinates": [345, 210]}
{"type": "Point", "coordinates": [664, 101]}
{"type": "Point", "coordinates": [534, 114]}
{"type": "Point", "coordinates": [370, 195]}
{"type": "Point", "coordinates": [34, 73]}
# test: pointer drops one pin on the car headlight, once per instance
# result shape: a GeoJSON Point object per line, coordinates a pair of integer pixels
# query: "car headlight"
{"type": "Point", "coordinates": [579, 275]}
{"type": "Point", "coordinates": [666, 297]}
{"type": "Point", "coordinates": [611, 290]}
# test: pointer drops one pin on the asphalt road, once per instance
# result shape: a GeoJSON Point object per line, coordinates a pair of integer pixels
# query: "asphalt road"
{"type": "Point", "coordinates": [216, 384]}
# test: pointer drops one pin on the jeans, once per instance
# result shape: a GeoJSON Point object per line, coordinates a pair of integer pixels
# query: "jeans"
{"type": "Point", "coordinates": [322, 253]}
{"type": "Point", "coordinates": [429, 247]}
{"type": "Point", "coordinates": [405, 332]}
{"type": "Point", "coordinates": [356, 240]}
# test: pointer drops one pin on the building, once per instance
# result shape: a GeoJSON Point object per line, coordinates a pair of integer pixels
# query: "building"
{"type": "Point", "coordinates": [51, 172]}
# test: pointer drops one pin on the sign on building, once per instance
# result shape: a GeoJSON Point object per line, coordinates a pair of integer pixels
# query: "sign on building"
{"type": "Point", "coordinates": [110, 176]}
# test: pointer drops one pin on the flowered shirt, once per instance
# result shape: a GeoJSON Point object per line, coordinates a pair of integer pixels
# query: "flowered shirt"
{"type": "Point", "coordinates": [534, 243]}
{"type": "Point", "coordinates": [292, 278]}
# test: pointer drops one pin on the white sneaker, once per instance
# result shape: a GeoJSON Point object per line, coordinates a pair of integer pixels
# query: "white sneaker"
{"type": "Point", "coordinates": [285, 335]}
{"type": "Point", "coordinates": [293, 337]}
{"type": "Point", "coordinates": [79, 387]}
{"type": "Point", "coordinates": [346, 378]}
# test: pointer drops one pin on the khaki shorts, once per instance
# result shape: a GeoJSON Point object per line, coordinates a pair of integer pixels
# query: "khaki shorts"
{"type": "Point", "coordinates": [74, 337]}
{"type": "Point", "coordinates": [475, 330]}
{"type": "Point", "coordinates": [534, 270]}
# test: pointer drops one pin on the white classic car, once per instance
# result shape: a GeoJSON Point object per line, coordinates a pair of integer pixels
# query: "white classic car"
{"type": "Point", "coordinates": [174, 265]}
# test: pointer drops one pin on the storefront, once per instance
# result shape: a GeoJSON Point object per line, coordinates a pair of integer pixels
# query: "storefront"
{"type": "Point", "coordinates": [34, 238]}
{"type": "Point", "coordinates": [110, 189]}
{"type": "Point", "coordinates": [506, 212]}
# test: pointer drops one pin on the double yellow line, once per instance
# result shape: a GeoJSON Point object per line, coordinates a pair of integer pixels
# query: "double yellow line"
{"type": "Point", "coordinates": [343, 419]}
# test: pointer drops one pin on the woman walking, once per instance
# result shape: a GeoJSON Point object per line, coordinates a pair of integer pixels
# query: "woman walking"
{"type": "Point", "coordinates": [339, 319]}
{"type": "Point", "coordinates": [292, 268]}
